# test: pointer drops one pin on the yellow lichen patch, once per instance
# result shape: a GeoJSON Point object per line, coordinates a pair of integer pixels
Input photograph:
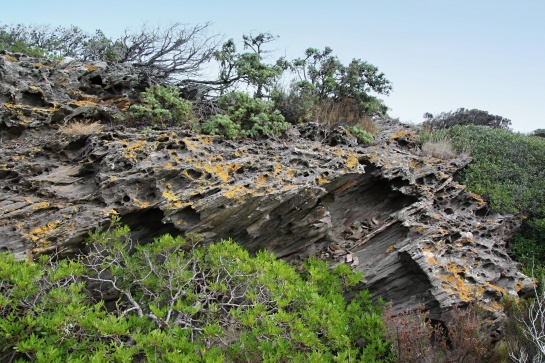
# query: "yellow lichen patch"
{"type": "Point", "coordinates": [197, 144]}
{"type": "Point", "coordinates": [170, 196]}
{"type": "Point", "coordinates": [403, 133]}
{"type": "Point", "coordinates": [38, 65]}
{"type": "Point", "coordinates": [218, 170]}
{"type": "Point", "coordinates": [235, 192]}
{"type": "Point", "coordinates": [432, 260]}
{"type": "Point", "coordinates": [352, 161]}
{"type": "Point", "coordinates": [140, 203]}
{"type": "Point", "coordinates": [322, 180]}
{"type": "Point", "coordinates": [480, 201]}
{"type": "Point", "coordinates": [168, 165]}
{"type": "Point", "coordinates": [390, 249]}
{"type": "Point", "coordinates": [173, 200]}
{"type": "Point", "coordinates": [454, 268]}
{"type": "Point", "coordinates": [501, 290]}
{"type": "Point", "coordinates": [86, 103]}
{"type": "Point", "coordinates": [10, 58]}
{"type": "Point", "coordinates": [41, 205]}
{"type": "Point", "coordinates": [134, 148]}
{"type": "Point", "coordinates": [39, 234]}
{"type": "Point", "coordinates": [122, 103]}
{"type": "Point", "coordinates": [91, 68]}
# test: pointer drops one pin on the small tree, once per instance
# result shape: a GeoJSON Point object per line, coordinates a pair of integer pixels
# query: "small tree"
{"type": "Point", "coordinates": [250, 67]}
{"type": "Point", "coordinates": [328, 79]}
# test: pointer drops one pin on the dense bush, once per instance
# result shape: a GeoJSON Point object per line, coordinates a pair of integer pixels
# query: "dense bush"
{"type": "Point", "coordinates": [463, 117]}
{"type": "Point", "coordinates": [162, 105]}
{"type": "Point", "coordinates": [245, 116]}
{"type": "Point", "coordinates": [507, 167]}
{"type": "Point", "coordinates": [172, 301]}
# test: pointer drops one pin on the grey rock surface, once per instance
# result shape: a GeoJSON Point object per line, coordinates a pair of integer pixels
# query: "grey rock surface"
{"type": "Point", "coordinates": [416, 234]}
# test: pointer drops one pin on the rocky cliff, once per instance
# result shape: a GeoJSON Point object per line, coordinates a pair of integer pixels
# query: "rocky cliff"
{"type": "Point", "coordinates": [416, 234]}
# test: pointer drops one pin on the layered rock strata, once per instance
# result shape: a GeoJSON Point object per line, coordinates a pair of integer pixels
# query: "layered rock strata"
{"type": "Point", "coordinates": [416, 234]}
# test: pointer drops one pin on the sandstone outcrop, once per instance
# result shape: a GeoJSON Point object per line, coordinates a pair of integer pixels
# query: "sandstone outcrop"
{"type": "Point", "coordinates": [417, 235]}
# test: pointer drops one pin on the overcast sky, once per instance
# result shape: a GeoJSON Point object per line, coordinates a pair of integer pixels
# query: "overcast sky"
{"type": "Point", "coordinates": [440, 55]}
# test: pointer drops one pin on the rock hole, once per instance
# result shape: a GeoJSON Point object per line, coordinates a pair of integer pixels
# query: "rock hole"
{"type": "Point", "coordinates": [33, 99]}
{"type": "Point", "coordinates": [481, 212]}
{"type": "Point", "coordinates": [194, 174]}
{"type": "Point", "coordinates": [126, 199]}
{"type": "Point", "coordinates": [97, 80]}
{"type": "Point", "coordinates": [146, 225]}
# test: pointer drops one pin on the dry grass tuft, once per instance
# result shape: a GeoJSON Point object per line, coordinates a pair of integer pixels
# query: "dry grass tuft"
{"type": "Point", "coordinates": [80, 128]}
{"type": "Point", "coordinates": [441, 149]}
{"type": "Point", "coordinates": [331, 114]}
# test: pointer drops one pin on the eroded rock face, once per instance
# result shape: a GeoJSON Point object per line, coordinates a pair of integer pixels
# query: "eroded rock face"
{"type": "Point", "coordinates": [400, 218]}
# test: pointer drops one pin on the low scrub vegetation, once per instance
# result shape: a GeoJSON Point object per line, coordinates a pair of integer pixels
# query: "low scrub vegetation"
{"type": "Point", "coordinates": [174, 299]}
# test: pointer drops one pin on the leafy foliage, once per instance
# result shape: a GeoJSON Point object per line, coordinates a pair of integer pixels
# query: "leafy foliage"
{"type": "Point", "coordinates": [245, 116]}
{"type": "Point", "coordinates": [363, 136]}
{"type": "Point", "coordinates": [463, 117]}
{"type": "Point", "coordinates": [327, 78]}
{"type": "Point", "coordinates": [249, 67]}
{"type": "Point", "coordinates": [174, 299]}
{"type": "Point", "coordinates": [162, 105]}
{"type": "Point", "coordinates": [507, 167]}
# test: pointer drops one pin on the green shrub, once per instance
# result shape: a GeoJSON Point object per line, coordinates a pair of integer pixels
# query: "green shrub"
{"type": "Point", "coordinates": [174, 300]}
{"type": "Point", "coordinates": [507, 168]}
{"type": "Point", "coordinates": [363, 136]}
{"type": "Point", "coordinates": [463, 117]}
{"type": "Point", "coordinates": [245, 116]}
{"type": "Point", "coordinates": [161, 105]}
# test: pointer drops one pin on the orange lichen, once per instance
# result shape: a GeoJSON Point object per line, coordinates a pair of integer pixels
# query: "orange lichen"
{"type": "Point", "coordinates": [497, 288]}
{"type": "Point", "coordinates": [86, 103]}
{"type": "Point", "coordinates": [352, 161]}
{"type": "Point", "coordinates": [10, 58]}
{"type": "Point", "coordinates": [39, 234]}
{"type": "Point", "coordinates": [390, 249]}
{"type": "Point", "coordinates": [91, 68]}
{"type": "Point", "coordinates": [236, 191]}
{"type": "Point", "coordinates": [432, 260]}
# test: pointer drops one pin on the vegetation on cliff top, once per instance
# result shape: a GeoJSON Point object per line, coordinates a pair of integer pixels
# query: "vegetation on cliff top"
{"type": "Point", "coordinates": [276, 313]}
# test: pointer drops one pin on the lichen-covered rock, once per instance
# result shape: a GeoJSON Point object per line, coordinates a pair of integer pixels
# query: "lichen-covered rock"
{"type": "Point", "coordinates": [36, 93]}
{"type": "Point", "coordinates": [400, 218]}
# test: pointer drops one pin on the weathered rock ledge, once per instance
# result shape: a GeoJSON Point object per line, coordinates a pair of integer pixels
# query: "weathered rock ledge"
{"type": "Point", "coordinates": [400, 218]}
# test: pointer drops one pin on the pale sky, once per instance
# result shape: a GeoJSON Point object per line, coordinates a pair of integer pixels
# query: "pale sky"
{"type": "Point", "coordinates": [440, 55]}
